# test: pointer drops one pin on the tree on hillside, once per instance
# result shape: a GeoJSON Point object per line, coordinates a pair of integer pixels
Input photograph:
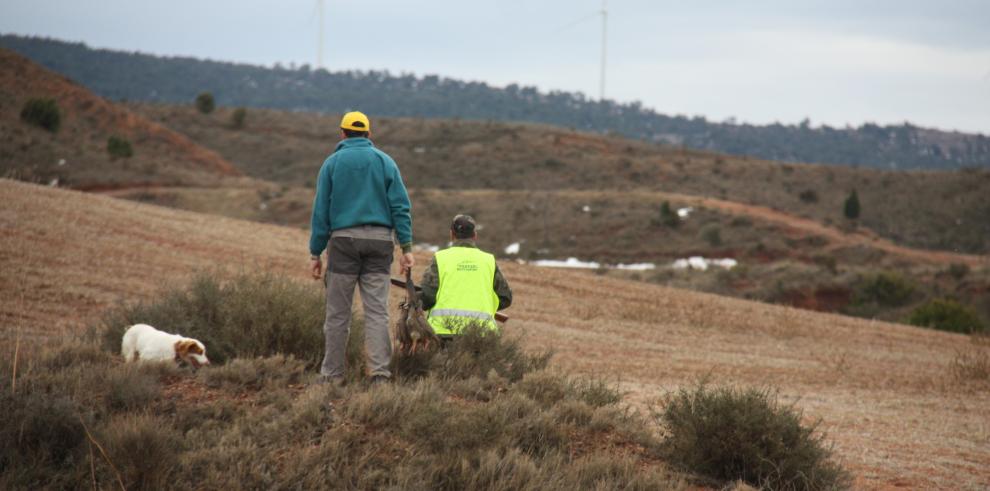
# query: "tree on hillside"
{"type": "Point", "coordinates": [851, 208]}
{"type": "Point", "coordinates": [205, 103]}
{"type": "Point", "coordinates": [43, 113]}
{"type": "Point", "coordinates": [237, 118]}
{"type": "Point", "coordinates": [667, 216]}
{"type": "Point", "coordinates": [119, 147]}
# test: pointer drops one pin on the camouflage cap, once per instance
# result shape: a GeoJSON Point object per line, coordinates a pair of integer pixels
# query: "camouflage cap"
{"type": "Point", "coordinates": [463, 226]}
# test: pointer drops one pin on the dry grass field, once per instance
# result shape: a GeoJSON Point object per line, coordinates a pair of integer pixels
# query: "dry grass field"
{"type": "Point", "coordinates": [885, 392]}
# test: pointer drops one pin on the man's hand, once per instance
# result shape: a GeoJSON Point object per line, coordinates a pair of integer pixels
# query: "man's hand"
{"type": "Point", "coordinates": [406, 262]}
{"type": "Point", "coordinates": [316, 267]}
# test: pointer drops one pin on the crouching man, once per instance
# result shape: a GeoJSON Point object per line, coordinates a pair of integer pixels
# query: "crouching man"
{"type": "Point", "coordinates": [463, 284]}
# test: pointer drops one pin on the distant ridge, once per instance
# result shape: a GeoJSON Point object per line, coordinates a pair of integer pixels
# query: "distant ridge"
{"type": "Point", "coordinates": [134, 76]}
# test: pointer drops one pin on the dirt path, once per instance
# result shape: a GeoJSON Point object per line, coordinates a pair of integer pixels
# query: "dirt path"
{"type": "Point", "coordinates": [839, 238]}
{"type": "Point", "coordinates": [883, 391]}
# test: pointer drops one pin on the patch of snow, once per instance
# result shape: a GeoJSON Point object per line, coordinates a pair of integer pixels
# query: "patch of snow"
{"type": "Point", "coordinates": [702, 264]}
{"type": "Point", "coordinates": [419, 150]}
{"type": "Point", "coordinates": [586, 208]}
{"type": "Point", "coordinates": [684, 212]}
{"type": "Point", "coordinates": [571, 262]}
{"type": "Point", "coordinates": [636, 266]}
{"type": "Point", "coordinates": [53, 183]}
{"type": "Point", "coordinates": [263, 206]}
{"type": "Point", "coordinates": [512, 248]}
{"type": "Point", "coordinates": [61, 162]}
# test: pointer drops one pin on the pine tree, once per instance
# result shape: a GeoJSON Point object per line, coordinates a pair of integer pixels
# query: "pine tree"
{"type": "Point", "coordinates": [667, 215]}
{"type": "Point", "coordinates": [205, 103]}
{"type": "Point", "coordinates": [852, 206]}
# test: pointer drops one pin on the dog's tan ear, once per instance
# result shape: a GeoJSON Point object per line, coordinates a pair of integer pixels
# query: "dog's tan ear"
{"type": "Point", "coordinates": [194, 348]}
{"type": "Point", "coordinates": [181, 348]}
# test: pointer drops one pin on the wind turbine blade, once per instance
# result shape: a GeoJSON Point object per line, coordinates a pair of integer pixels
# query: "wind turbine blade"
{"type": "Point", "coordinates": [576, 22]}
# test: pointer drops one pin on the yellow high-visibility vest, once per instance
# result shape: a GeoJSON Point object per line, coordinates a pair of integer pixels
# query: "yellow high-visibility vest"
{"type": "Point", "coordinates": [466, 293]}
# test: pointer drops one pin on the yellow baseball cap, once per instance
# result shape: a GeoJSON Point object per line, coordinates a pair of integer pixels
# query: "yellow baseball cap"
{"type": "Point", "coordinates": [356, 121]}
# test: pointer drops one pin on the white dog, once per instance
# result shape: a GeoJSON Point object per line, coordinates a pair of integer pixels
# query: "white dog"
{"type": "Point", "coordinates": [143, 342]}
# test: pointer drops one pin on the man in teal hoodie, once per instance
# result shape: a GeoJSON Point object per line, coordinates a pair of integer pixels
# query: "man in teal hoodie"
{"type": "Point", "coordinates": [360, 203]}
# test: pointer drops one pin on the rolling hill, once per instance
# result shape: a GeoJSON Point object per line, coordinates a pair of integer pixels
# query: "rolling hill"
{"type": "Point", "coordinates": [884, 392]}
{"type": "Point", "coordinates": [934, 210]}
{"type": "Point", "coordinates": [76, 154]}
{"type": "Point", "coordinates": [139, 77]}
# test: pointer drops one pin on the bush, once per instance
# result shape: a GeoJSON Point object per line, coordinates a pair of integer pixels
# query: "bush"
{"type": "Point", "coordinates": [43, 113]}
{"type": "Point", "coordinates": [808, 196]}
{"type": "Point", "coordinates": [886, 289]}
{"type": "Point", "coordinates": [946, 315]}
{"type": "Point", "coordinates": [205, 103]}
{"type": "Point", "coordinates": [712, 234]}
{"type": "Point", "coordinates": [958, 270]}
{"type": "Point", "coordinates": [144, 450]}
{"type": "Point", "coordinates": [119, 147]}
{"type": "Point", "coordinates": [851, 207]}
{"type": "Point", "coordinates": [246, 316]}
{"type": "Point", "coordinates": [237, 118]}
{"type": "Point", "coordinates": [728, 434]}
{"type": "Point", "coordinates": [476, 352]}
{"type": "Point", "coordinates": [130, 387]}
{"type": "Point", "coordinates": [668, 217]}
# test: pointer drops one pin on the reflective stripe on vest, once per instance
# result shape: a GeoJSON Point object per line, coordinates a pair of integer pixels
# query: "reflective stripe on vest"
{"type": "Point", "coordinates": [466, 293]}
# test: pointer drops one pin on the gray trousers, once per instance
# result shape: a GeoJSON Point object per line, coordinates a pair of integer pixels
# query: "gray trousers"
{"type": "Point", "coordinates": [360, 256]}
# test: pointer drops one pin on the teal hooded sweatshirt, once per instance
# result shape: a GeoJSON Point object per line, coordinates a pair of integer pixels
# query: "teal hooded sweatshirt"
{"type": "Point", "coordinates": [359, 185]}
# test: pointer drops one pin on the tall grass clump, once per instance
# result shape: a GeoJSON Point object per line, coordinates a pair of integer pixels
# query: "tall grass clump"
{"type": "Point", "coordinates": [731, 434]}
{"type": "Point", "coordinates": [476, 352]}
{"type": "Point", "coordinates": [245, 316]}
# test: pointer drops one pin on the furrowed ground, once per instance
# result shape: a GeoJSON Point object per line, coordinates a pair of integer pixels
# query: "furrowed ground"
{"type": "Point", "coordinates": [884, 391]}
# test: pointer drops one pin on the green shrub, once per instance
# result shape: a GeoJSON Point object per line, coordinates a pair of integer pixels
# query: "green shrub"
{"type": "Point", "coordinates": [946, 314]}
{"type": "Point", "coordinates": [851, 207]}
{"type": "Point", "coordinates": [476, 352]}
{"type": "Point", "coordinates": [246, 316]}
{"type": "Point", "coordinates": [43, 113]}
{"type": "Point", "coordinates": [958, 270]}
{"type": "Point", "coordinates": [712, 234]}
{"type": "Point", "coordinates": [119, 148]}
{"type": "Point", "coordinates": [728, 434]}
{"type": "Point", "coordinates": [238, 117]}
{"type": "Point", "coordinates": [808, 196]}
{"type": "Point", "coordinates": [38, 430]}
{"type": "Point", "coordinates": [885, 289]}
{"type": "Point", "coordinates": [130, 387]}
{"type": "Point", "coordinates": [205, 103]}
{"type": "Point", "coordinates": [668, 218]}
{"type": "Point", "coordinates": [143, 448]}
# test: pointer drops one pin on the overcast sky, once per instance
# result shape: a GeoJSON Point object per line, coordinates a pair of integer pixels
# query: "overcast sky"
{"type": "Point", "coordinates": [832, 61]}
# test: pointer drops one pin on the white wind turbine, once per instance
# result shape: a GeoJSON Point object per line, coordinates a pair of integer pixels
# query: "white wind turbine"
{"type": "Point", "coordinates": [601, 86]}
{"type": "Point", "coordinates": [319, 41]}
{"type": "Point", "coordinates": [604, 16]}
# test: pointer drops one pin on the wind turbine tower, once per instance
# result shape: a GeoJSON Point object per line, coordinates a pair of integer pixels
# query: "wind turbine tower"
{"type": "Point", "coordinates": [601, 86]}
{"type": "Point", "coordinates": [319, 45]}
